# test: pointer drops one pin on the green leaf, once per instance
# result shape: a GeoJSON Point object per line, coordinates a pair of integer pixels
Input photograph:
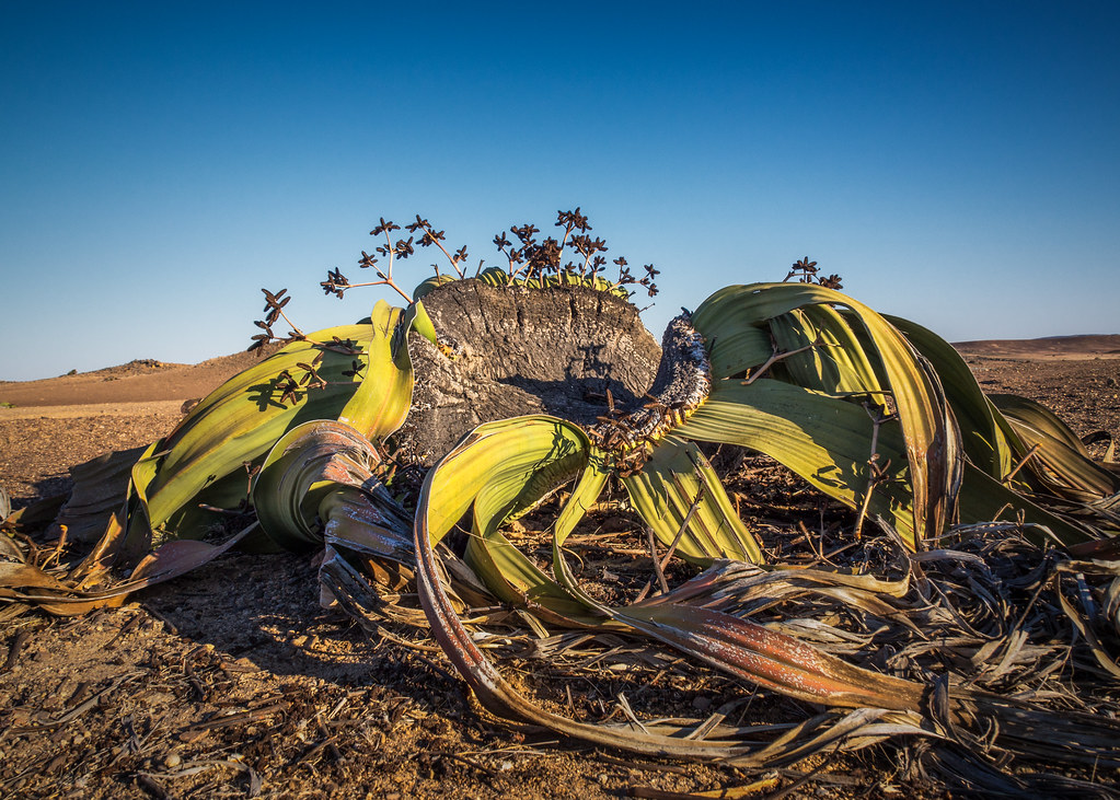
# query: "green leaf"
{"type": "Point", "coordinates": [502, 469]}
{"type": "Point", "coordinates": [836, 362]}
{"type": "Point", "coordinates": [1059, 460]}
{"type": "Point", "coordinates": [825, 440]}
{"type": "Point", "coordinates": [380, 404]}
{"type": "Point", "coordinates": [931, 440]}
{"type": "Point", "coordinates": [983, 431]}
{"type": "Point", "coordinates": [683, 500]}
{"type": "Point", "coordinates": [417, 319]}
{"type": "Point", "coordinates": [206, 459]}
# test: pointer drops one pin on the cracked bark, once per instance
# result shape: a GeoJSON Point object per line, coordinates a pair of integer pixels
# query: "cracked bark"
{"type": "Point", "coordinates": [524, 351]}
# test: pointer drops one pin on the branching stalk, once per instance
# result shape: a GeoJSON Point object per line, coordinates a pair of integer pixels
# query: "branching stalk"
{"type": "Point", "coordinates": [775, 357]}
{"type": "Point", "coordinates": [877, 473]}
{"type": "Point", "coordinates": [1018, 466]}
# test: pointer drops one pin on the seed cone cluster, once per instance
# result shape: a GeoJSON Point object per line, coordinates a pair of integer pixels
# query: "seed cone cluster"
{"type": "Point", "coordinates": [682, 384]}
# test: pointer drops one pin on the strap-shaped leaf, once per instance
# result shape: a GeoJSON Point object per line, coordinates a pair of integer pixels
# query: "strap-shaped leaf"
{"type": "Point", "coordinates": [502, 469]}
{"type": "Point", "coordinates": [682, 499]}
{"type": "Point", "coordinates": [929, 438]}
{"type": "Point", "coordinates": [825, 440]}
{"type": "Point", "coordinates": [205, 458]}
{"type": "Point", "coordinates": [319, 476]}
{"type": "Point", "coordinates": [583, 497]}
{"type": "Point", "coordinates": [433, 520]}
{"type": "Point", "coordinates": [983, 434]}
{"type": "Point", "coordinates": [1059, 459]}
{"type": "Point", "coordinates": [491, 469]}
{"type": "Point", "coordinates": [380, 404]}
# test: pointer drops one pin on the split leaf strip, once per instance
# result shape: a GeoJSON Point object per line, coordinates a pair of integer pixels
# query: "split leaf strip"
{"type": "Point", "coordinates": [380, 404]}
{"type": "Point", "coordinates": [836, 360]}
{"type": "Point", "coordinates": [169, 560]}
{"type": "Point", "coordinates": [205, 458]}
{"type": "Point", "coordinates": [1060, 461]}
{"type": "Point", "coordinates": [930, 445]}
{"type": "Point", "coordinates": [983, 430]}
{"type": "Point", "coordinates": [774, 660]}
{"type": "Point", "coordinates": [491, 468]}
{"type": "Point", "coordinates": [503, 469]}
{"type": "Point", "coordinates": [1000, 432]}
{"type": "Point", "coordinates": [825, 440]}
{"type": "Point", "coordinates": [676, 478]}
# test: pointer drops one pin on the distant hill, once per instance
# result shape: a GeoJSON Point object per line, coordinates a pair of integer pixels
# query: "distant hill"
{"type": "Point", "coordinates": [1064, 347]}
{"type": "Point", "coordinates": [146, 380]}
{"type": "Point", "coordinates": [141, 380]}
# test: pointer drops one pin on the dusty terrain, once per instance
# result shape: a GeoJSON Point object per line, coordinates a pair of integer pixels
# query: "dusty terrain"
{"type": "Point", "coordinates": [233, 682]}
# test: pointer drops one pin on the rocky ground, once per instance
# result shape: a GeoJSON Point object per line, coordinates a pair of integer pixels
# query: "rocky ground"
{"type": "Point", "coordinates": [233, 682]}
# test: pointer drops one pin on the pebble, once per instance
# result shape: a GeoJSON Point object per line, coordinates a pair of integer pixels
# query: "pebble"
{"type": "Point", "coordinates": [172, 760]}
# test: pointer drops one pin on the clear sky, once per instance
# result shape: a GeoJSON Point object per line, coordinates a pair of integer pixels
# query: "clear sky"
{"type": "Point", "coordinates": [955, 163]}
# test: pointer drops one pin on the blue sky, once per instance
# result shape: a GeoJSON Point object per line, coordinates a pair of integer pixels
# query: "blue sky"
{"type": "Point", "coordinates": [956, 163]}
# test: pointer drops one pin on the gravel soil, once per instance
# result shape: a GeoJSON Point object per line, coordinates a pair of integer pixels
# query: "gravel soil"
{"type": "Point", "coordinates": [233, 682]}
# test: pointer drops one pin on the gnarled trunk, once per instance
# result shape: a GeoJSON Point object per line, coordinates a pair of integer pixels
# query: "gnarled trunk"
{"type": "Point", "coordinates": [522, 351]}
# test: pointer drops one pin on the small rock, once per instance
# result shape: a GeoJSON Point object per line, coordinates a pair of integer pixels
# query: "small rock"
{"type": "Point", "coordinates": [172, 760]}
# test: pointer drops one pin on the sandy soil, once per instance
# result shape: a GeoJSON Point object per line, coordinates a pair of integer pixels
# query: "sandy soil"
{"type": "Point", "coordinates": [233, 682]}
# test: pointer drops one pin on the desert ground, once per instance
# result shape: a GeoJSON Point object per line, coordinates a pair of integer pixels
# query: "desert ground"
{"type": "Point", "coordinates": [234, 682]}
